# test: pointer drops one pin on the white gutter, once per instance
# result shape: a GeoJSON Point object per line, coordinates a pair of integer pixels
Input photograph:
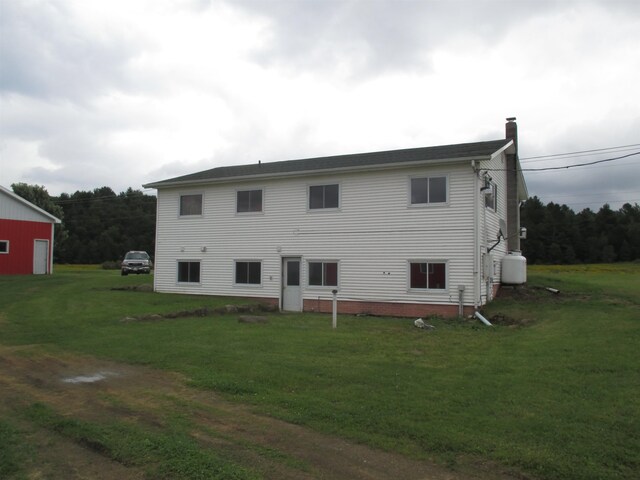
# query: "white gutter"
{"type": "Point", "coordinates": [476, 246]}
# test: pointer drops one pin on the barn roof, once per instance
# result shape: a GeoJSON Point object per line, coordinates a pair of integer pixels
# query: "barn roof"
{"type": "Point", "coordinates": [29, 205]}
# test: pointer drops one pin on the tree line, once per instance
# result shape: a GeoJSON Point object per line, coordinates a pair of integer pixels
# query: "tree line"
{"type": "Point", "coordinates": [557, 235]}
{"type": "Point", "coordinates": [97, 226]}
{"type": "Point", "coordinates": [100, 226]}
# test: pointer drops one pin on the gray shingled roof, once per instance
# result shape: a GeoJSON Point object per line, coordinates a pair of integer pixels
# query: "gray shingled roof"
{"type": "Point", "coordinates": [356, 160]}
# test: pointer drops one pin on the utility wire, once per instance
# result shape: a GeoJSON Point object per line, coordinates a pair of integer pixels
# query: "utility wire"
{"type": "Point", "coordinates": [581, 152]}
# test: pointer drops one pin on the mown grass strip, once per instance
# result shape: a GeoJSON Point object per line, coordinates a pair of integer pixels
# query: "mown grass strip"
{"type": "Point", "coordinates": [163, 454]}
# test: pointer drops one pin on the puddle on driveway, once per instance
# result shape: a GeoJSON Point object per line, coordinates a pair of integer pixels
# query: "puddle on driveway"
{"type": "Point", "coordinates": [96, 377]}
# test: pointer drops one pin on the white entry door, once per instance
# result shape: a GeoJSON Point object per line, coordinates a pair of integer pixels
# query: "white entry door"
{"type": "Point", "coordinates": [291, 292]}
{"type": "Point", "coordinates": [40, 256]}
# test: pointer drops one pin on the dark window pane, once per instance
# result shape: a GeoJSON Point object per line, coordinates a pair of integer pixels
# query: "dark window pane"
{"type": "Point", "coordinates": [241, 272]}
{"type": "Point", "coordinates": [331, 274]}
{"type": "Point", "coordinates": [331, 194]}
{"type": "Point", "coordinates": [191, 205]}
{"type": "Point", "coordinates": [316, 196]}
{"type": "Point", "coordinates": [419, 187]}
{"type": "Point", "coordinates": [248, 272]}
{"type": "Point", "coordinates": [437, 275]}
{"type": "Point", "coordinates": [418, 275]}
{"type": "Point", "coordinates": [243, 201]}
{"type": "Point", "coordinates": [183, 271]}
{"type": "Point", "coordinates": [194, 272]}
{"type": "Point", "coordinates": [256, 200]}
{"type": "Point", "coordinates": [254, 273]}
{"type": "Point", "coordinates": [4, 247]}
{"type": "Point", "coordinates": [293, 274]}
{"type": "Point", "coordinates": [249, 201]}
{"type": "Point", "coordinates": [189, 272]}
{"type": "Point", "coordinates": [438, 190]}
{"type": "Point", "coordinates": [315, 273]}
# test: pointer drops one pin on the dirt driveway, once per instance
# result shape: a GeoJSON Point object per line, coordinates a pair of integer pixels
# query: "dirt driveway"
{"type": "Point", "coordinates": [96, 390]}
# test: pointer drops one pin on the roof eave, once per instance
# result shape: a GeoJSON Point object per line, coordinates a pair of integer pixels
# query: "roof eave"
{"type": "Point", "coordinates": [30, 205]}
{"type": "Point", "coordinates": [321, 171]}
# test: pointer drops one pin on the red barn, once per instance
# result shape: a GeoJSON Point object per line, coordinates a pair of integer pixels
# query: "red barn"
{"type": "Point", "coordinates": [26, 236]}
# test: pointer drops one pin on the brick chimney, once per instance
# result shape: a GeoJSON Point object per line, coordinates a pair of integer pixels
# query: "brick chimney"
{"type": "Point", "coordinates": [513, 205]}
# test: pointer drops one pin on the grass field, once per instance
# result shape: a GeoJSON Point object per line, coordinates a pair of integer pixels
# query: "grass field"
{"type": "Point", "coordinates": [554, 393]}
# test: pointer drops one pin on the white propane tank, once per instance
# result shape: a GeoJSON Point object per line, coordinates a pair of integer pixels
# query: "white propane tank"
{"type": "Point", "coordinates": [514, 268]}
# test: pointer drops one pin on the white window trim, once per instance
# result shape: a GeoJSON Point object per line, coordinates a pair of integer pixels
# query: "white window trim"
{"type": "Point", "coordinates": [323, 184]}
{"type": "Point", "coordinates": [244, 214]}
{"type": "Point", "coordinates": [308, 270]}
{"type": "Point", "coordinates": [494, 194]}
{"type": "Point", "coordinates": [428, 290]}
{"type": "Point", "coordinates": [428, 205]}
{"type": "Point", "coordinates": [8, 243]}
{"type": "Point", "coordinates": [182, 194]}
{"type": "Point", "coordinates": [187, 260]}
{"type": "Point", "coordinates": [248, 285]}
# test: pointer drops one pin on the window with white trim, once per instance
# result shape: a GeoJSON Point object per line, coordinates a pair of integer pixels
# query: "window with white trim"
{"type": "Point", "coordinates": [428, 275]}
{"type": "Point", "coordinates": [188, 271]}
{"type": "Point", "coordinates": [324, 196]}
{"type": "Point", "coordinates": [248, 272]}
{"type": "Point", "coordinates": [4, 246]}
{"type": "Point", "coordinates": [428, 190]}
{"type": "Point", "coordinates": [249, 201]}
{"type": "Point", "coordinates": [491, 196]}
{"type": "Point", "coordinates": [190, 204]}
{"type": "Point", "coordinates": [323, 274]}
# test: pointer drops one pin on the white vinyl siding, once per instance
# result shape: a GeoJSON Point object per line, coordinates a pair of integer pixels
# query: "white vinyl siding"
{"type": "Point", "coordinates": [373, 234]}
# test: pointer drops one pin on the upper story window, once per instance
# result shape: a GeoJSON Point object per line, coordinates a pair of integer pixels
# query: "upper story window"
{"type": "Point", "coordinates": [324, 196]}
{"type": "Point", "coordinates": [248, 272]}
{"type": "Point", "coordinates": [428, 275]}
{"type": "Point", "coordinates": [4, 246]}
{"type": "Point", "coordinates": [249, 201]}
{"type": "Point", "coordinates": [491, 196]}
{"type": "Point", "coordinates": [428, 190]}
{"type": "Point", "coordinates": [323, 274]}
{"type": "Point", "coordinates": [191, 204]}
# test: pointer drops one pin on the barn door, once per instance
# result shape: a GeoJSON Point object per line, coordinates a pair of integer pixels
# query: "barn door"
{"type": "Point", "coordinates": [40, 256]}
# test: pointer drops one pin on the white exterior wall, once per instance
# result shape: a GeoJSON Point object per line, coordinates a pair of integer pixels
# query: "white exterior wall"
{"type": "Point", "coordinates": [489, 224]}
{"type": "Point", "coordinates": [373, 235]}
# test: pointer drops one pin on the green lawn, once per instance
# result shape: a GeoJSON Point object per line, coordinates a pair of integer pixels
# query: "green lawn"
{"type": "Point", "coordinates": [558, 397]}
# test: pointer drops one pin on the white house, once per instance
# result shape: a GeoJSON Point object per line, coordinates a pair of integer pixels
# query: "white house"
{"type": "Point", "coordinates": [405, 232]}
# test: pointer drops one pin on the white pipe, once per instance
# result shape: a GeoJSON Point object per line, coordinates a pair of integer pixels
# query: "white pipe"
{"type": "Point", "coordinates": [476, 244]}
{"type": "Point", "coordinates": [335, 308]}
{"type": "Point", "coordinates": [482, 319]}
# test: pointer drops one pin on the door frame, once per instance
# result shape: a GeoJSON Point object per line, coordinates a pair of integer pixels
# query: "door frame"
{"type": "Point", "coordinates": [283, 276]}
{"type": "Point", "coordinates": [35, 256]}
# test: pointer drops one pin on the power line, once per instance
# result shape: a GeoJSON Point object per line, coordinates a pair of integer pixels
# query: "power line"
{"type": "Point", "coordinates": [582, 152]}
{"type": "Point", "coordinates": [543, 169]}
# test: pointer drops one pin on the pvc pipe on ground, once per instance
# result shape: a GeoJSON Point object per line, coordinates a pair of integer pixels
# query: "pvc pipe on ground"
{"type": "Point", "coordinates": [482, 319]}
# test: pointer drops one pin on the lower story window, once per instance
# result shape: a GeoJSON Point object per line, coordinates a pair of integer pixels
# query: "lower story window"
{"type": "Point", "coordinates": [323, 274]}
{"type": "Point", "coordinates": [189, 272]}
{"type": "Point", "coordinates": [4, 246]}
{"type": "Point", "coordinates": [428, 275]}
{"type": "Point", "coordinates": [248, 273]}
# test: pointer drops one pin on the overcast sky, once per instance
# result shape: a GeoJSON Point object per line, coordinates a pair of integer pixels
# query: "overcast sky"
{"type": "Point", "coordinates": [122, 92]}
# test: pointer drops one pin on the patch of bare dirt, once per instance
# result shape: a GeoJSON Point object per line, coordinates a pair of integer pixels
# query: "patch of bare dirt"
{"type": "Point", "coordinates": [97, 390]}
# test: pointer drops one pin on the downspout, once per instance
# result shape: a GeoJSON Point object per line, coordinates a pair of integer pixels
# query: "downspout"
{"type": "Point", "coordinates": [476, 246]}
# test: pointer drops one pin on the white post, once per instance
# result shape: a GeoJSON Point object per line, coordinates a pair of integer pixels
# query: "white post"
{"type": "Point", "coordinates": [335, 308]}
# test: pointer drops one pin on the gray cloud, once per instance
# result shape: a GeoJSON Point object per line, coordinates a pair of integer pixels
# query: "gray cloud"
{"type": "Point", "coordinates": [47, 53]}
